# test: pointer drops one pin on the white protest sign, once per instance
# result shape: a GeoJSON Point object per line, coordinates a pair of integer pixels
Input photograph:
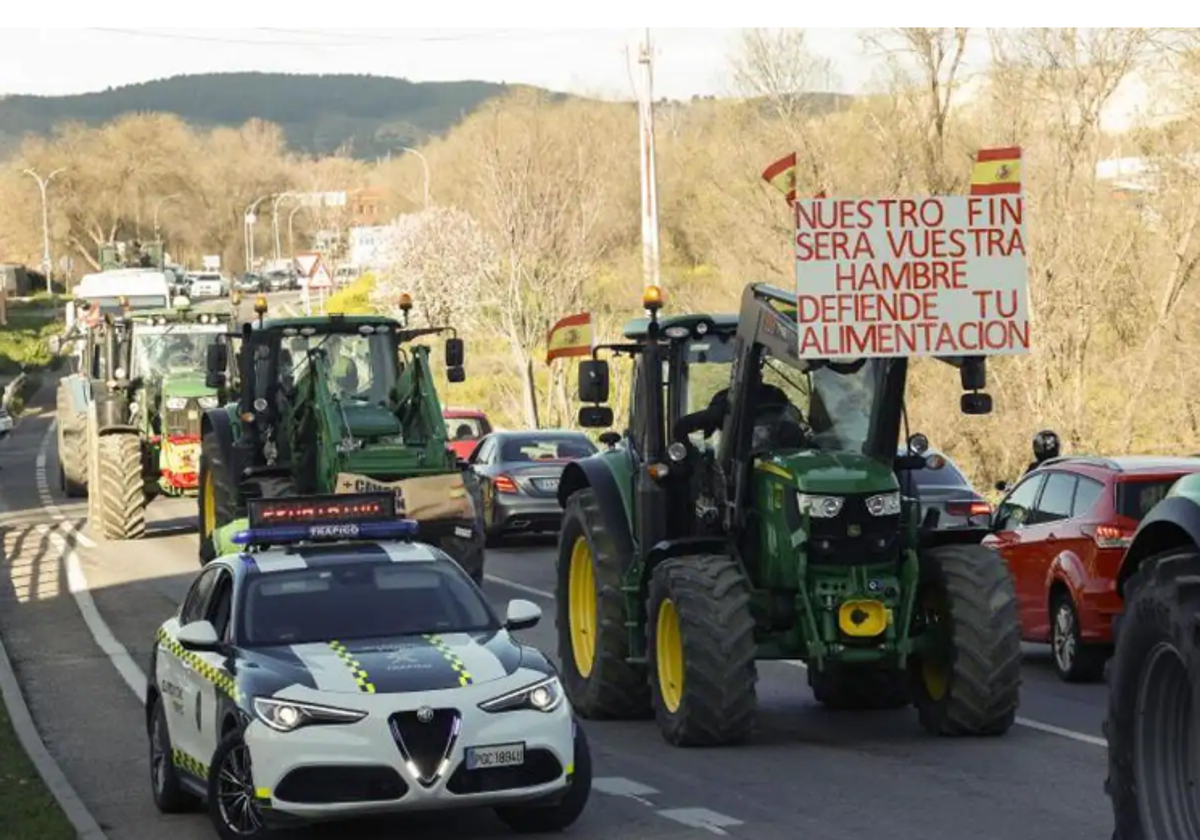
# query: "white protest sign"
{"type": "Point", "coordinates": [930, 276]}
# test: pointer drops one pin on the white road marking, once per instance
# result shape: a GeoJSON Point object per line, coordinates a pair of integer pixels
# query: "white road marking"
{"type": "Point", "coordinates": [626, 788]}
{"type": "Point", "coordinates": [701, 818]}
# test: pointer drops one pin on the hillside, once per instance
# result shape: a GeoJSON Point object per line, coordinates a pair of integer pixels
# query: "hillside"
{"type": "Point", "coordinates": [319, 114]}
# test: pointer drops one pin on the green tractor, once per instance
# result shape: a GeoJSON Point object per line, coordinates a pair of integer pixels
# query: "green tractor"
{"type": "Point", "coordinates": [335, 404]}
{"type": "Point", "coordinates": [1155, 679]}
{"type": "Point", "coordinates": [129, 417]}
{"type": "Point", "coordinates": [754, 513]}
{"type": "Point", "coordinates": [118, 255]}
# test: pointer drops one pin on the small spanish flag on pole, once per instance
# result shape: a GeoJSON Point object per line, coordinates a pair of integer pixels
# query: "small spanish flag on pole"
{"type": "Point", "coordinates": [782, 176]}
{"type": "Point", "coordinates": [997, 172]}
{"type": "Point", "coordinates": [571, 336]}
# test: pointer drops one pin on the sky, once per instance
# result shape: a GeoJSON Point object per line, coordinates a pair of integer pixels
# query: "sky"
{"type": "Point", "coordinates": [585, 61]}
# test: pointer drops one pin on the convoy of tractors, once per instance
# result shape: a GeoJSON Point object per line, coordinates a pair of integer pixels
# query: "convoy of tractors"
{"type": "Point", "coordinates": [717, 536]}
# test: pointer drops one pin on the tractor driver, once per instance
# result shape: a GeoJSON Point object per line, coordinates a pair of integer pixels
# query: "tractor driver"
{"type": "Point", "coordinates": [776, 420]}
{"type": "Point", "coordinates": [180, 353]}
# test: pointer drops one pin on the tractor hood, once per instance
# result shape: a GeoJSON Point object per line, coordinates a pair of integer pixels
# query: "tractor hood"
{"type": "Point", "coordinates": [185, 384]}
{"type": "Point", "coordinates": [837, 473]}
{"type": "Point", "coordinates": [370, 421]}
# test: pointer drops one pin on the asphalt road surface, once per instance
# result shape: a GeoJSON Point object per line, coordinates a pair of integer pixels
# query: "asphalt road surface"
{"type": "Point", "coordinates": [79, 616]}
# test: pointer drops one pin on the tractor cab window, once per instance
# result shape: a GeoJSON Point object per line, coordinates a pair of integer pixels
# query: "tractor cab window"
{"type": "Point", "coordinates": [172, 348]}
{"type": "Point", "coordinates": [842, 403]}
{"type": "Point", "coordinates": [705, 372]}
{"type": "Point", "coordinates": [361, 368]}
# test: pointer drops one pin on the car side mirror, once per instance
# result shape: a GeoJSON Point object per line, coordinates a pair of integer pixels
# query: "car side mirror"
{"type": "Point", "coordinates": [199, 636]}
{"type": "Point", "coordinates": [595, 417]}
{"type": "Point", "coordinates": [456, 374]}
{"type": "Point", "coordinates": [455, 353]}
{"type": "Point", "coordinates": [522, 614]}
{"type": "Point", "coordinates": [976, 404]}
{"type": "Point", "coordinates": [593, 381]}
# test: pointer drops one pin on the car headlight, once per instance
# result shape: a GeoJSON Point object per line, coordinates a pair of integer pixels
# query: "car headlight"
{"type": "Point", "coordinates": [885, 504]}
{"type": "Point", "coordinates": [176, 403]}
{"type": "Point", "coordinates": [542, 696]}
{"type": "Point", "coordinates": [289, 715]}
{"type": "Point", "coordinates": [820, 507]}
{"type": "Point", "coordinates": [207, 402]}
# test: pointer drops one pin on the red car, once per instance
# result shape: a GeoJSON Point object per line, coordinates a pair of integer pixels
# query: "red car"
{"type": "Point", "coordinates": [1063, 531]}
{"type": "Point", "coordinates": [464, 428]}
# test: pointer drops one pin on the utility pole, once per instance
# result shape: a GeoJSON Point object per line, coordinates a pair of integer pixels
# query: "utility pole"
{"type": "Point", "coordinates": [275, 222]}
{"type": "Point", "coordinates": [650, 252]}
{"type": "Point", "coordinates": [47, 265]}
{"type": "Point", "coordinates": [250, 218]}
{"type": "Point", "coordinates": [425, 166]}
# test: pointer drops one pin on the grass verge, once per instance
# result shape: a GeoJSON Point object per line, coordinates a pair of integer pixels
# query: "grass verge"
{"type": "Point", "coordinates": [23, 344]}
{"type": "Point", "coordinates": [27, 809]}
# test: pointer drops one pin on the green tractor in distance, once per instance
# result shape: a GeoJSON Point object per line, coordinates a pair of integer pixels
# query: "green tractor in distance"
{"type": "Point", "coordinates": [117, 255]}
{"type": "Point", "coordinates": [128, 420]}
{"type": "Point", "coordinates": [680, 564]}
{"type": "Point", "coordinates": [336, 404]}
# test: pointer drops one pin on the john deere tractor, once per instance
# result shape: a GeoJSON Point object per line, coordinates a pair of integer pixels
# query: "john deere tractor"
{"type": "Point", "coordinates": [755, 513]}
{"type": "Point", "coordinates": [1155, 680]}
{"type": "Point", "coordinates": [335, 404]}
{"type": "Point", "coordinates": [129, 418]}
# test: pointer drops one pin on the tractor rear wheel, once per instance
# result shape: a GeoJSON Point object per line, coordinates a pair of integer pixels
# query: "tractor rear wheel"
{"type": "Point", "coordinates": [1152, 689]}
{"type": "Point", "coordinates": [967, 676]}
{"type": "Point", "coordinates": [215, 497]}
{"type": "Point", "coordinates": [121, 502]}
{"type": "Point", "coordinates": [859, 687]}
{"type": "Point", "coordinates": [72, 448]}
{"type": "Point", "coordinates": [702, 651]}
{"type": "Point", "coordinates": [593, 642]}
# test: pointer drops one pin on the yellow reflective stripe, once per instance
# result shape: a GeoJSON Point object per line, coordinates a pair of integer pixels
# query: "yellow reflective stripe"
{"type": "Point", "coordinates": [208, 672]}
{"type": "Point", "coordinates": [360, 673]}
{"type": "Point", "coordinates": [773, 470]}
{"type": "Point", "coordinates": [185, 762]}
{"type": "Point", "coordinates": [464, 676]}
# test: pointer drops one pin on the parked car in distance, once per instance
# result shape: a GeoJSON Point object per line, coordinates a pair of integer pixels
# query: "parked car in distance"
{"type": "Point", "coordinates": [281, 281]}
{"type": "Point", "coordinates": [206, 284]}
{"type": "Point", "coordinates": [518, 476]}
{"type": "Point", "coordinates": [1063, 530]}
{"type": "Point", "coordinates": [252, 282]}
{"type": "Point", "coordinates": [464, 428]}
{"type": "Point", "coordinates": [941, 486]}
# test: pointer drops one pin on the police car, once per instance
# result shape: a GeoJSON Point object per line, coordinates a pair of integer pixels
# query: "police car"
{"type": "Point", "coordinates": [337, 668]}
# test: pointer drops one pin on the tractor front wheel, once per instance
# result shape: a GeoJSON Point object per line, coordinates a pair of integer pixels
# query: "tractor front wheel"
{"type": "Point", "coordinates": [72, 448]}
{"type": "Point", "coordinates": [1153, 687]}
{"type": "Point", "coordinates": [702, 651]}
{"type": "Point", "coordinates": [121, 502]}
{"type": "Point", "coordinates": [215, 497]}
{"type": "Point", "coordinates": [593, 642]}
{"type": "Point", "coordinates": [967, 676]}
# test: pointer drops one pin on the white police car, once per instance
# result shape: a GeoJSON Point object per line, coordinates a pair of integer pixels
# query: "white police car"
{"type": "Point", "coordinates": [314, 678]}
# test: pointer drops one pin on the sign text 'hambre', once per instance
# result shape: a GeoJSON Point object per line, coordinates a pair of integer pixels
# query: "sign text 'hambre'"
{"type": "Point", "coordinates": [938, 276]}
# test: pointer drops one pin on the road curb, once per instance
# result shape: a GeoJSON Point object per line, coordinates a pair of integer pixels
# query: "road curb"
{"type": "Point", "coordinates": [31, 741]}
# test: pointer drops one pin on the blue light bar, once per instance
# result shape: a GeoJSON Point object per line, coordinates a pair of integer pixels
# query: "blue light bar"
{"type": "Point", "coordinates": [397, 529]}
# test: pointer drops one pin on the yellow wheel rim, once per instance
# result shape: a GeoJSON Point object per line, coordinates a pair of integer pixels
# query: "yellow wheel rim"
{"type": "Point", "coordinates": [209, 508]}
{"type": "Point", "coordinates": [935, 675]}
{"type": "Point", "coordinates": [669, 655]}
{"type": "Point", "coordinates": [581, 585]}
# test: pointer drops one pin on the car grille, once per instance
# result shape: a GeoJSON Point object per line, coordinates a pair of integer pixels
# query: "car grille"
{"type": "Point", "coordinates": [426, 744]}
{"type": "Point", "coordinates": [323, 785]}
{"type": "Point", "coordinates": [852, 537]}
{"type": "Point", "coordinates": [540, 767]}
{"type": "Point", "coordinates": [179, 423]}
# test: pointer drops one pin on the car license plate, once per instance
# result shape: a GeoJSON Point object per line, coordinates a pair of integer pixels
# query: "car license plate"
{"type": "Point", "coordinates": [548, 484]}
{"type": "Point", "coordinates": [501, 755]}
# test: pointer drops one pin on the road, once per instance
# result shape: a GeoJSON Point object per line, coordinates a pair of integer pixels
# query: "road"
{"type": "Point", "coordinates": [78, 617]}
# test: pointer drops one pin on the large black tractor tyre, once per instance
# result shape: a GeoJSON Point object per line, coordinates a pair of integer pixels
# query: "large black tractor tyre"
{"type": "Point", "coordinates": [216, 498]}
{"type": "Point", "coordinates": [72, 448]}
{"type": "Point", "coordinates": [1153, 684]}
{"type": "Point", "coordinates": [600, 683]}
{"type": "Point", "coordinates": [859, 687]}
{"type": "Point", "coordinates": [120, 489]}
{"type": "Point", "coordinates": [969, 682]}
{"type": "Point", "coordinates": [702, 651]}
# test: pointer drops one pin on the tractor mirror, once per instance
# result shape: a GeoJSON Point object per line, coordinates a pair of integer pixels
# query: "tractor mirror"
{"type": "Point", "coordinates": [976, 404]}
{"type": "Point", "coordinates": [595, 417]}
{"type": "Point", "coordinates": [593, 382]}
{"type": "Point", "coordinates": [456, 373]}
{"type": "Point", "coordinates": [455, 351]}
{"type": "Point", "coordinates": [217, 360]}
{"type": "Point", "coordinates": [973, 373]}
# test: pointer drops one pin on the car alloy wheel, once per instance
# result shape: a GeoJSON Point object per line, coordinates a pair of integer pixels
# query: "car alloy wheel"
{"type": "Point", "coordinates": [235, 794]}
{"type": "Point", "coordinates": [1064, 639]}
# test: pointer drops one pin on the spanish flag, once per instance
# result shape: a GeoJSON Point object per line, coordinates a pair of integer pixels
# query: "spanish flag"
{"type": "Point", "coordinates": [572, 336]}
{"type": "Point", "coordinates": [997, 172]}
{"type": "Point", "coordinates": [782, 176]}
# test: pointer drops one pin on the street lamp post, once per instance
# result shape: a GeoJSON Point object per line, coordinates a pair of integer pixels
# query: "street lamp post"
{"type": "Point", "coordinates": [47, 265]}
{"type": "Point", "coordinates": [291, 230]}
{"type": "Point", "coordinates": [425, 166]}
{"type": "Point", "coordinates": [275, 222]}
{"type": "Point", "coordinates": [157, 205]}
{"type": "Point", "coordinates": [249, 221]}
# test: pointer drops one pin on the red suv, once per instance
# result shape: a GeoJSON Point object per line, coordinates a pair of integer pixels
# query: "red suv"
{"type": "Point", "coordinates": [464, 428]}
{"type": "Point", "coordinates": [1063, 531]}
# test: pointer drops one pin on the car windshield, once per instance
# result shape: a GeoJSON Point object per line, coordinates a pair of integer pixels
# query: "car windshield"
{"type": "Point", "coordinates": [362, 368]}
{"type": "Point", "coordinates": [1135, 498]}
{"type": "Point", "coordinates": [545, 448]}
{"type": "Point", "coordinates": [173, 347]}
{"type": "Point", "coordinates": [464, 428]}
{"type": "Point", "coordinates": [361, 601]}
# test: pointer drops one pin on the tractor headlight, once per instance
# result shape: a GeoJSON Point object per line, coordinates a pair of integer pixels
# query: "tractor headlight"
{"type": "Point", "coordinates": [885, 504]}
{"type": "Point", "coordinates": [287, 715]}
{"type": "Point", "coordinates": [677, 452]}
{"type": "Point", "coordinates": [119, 373]}
{"type": "Point", "coordinates": [543, 696]}
{"type": "Point", "coordinates": [207, 402]}
{"type": "Point", "coordinates": [820, 507]}
{"type": "Point", "coordinates": [176, 403]}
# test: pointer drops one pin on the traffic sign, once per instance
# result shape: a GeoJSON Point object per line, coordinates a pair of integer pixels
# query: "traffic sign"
{"type": "Point", "coordinates": [320, 278]}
